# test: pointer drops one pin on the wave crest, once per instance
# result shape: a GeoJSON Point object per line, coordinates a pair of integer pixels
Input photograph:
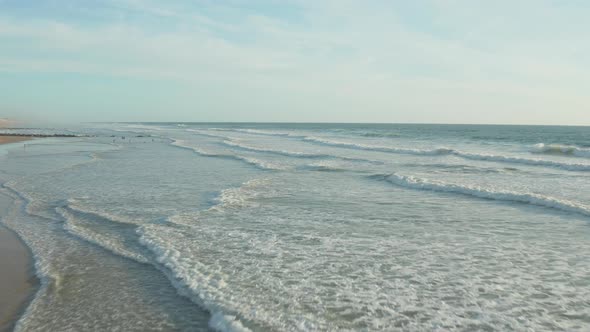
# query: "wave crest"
{"type": "Point", "coordinates": [480, 192]}
{"type": "Point", "coordinates": [433, 152]}
{"type": "Point", "coordinates": [242, 146]}
{"type": "Point", "coordinates": [448, 151]}
{"type": "Point", "coordinates": [559, 149]}
{"type": "Point", "coordinates": [264, 165]}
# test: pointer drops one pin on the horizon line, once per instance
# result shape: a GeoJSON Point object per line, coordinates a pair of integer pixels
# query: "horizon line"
{"type": "Point", "coordinates": [347, 123]}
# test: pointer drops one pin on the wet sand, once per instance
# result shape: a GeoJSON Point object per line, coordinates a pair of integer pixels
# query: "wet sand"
{"type": "Point", "coordinates": [12, 139]}
{"type": "Point", "coordinates": [17, 279]}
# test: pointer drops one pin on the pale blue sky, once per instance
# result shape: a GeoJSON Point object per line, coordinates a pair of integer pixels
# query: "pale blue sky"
{"type": "Point", "coordinates": [450, 61]}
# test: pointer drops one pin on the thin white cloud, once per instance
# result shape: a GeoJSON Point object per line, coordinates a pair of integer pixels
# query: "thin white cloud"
{"type": "Point", "coordinates": [348, 53]}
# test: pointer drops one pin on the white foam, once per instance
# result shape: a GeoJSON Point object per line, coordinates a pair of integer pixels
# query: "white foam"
{"type": "Point", "coordinates": [524, 161]}
{"type": "Point", "coordinates": [108, 240]}
{"type": "Point", "coordinates": [234, 143]}
{"type": "Point", "coordinates": [75, 205]}
{"type": "Point", "coordinates": [480, 192]}
{"type": "Point", "coordinates": [265, 165]}
{"type": "Point", "coordinates": [241, 196]}
{"type": "Point", "coordinates": [226, 323]}
{"type": "Point", "coordinates": [325, 167]}
{"type": "Point", "coordinates": [461, 154]}
{"type": "Point", "coordinates": [201, 288]}
{"type": "Point", "coordinates": [433, 152]}
{"type": "Point", "coordinates": [139, 126]}
{"type": "Point", "coordinates": [204, 133]}
{"type": "Point", "coordinates": [257, 132]}
{"type": "Point", "coordinates": [51, 252]}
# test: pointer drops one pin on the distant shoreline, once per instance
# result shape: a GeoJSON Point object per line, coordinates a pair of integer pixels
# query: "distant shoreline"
{"type": "Point", "coordinates": [35, 135]}
{"type": "Point", "coordinates": [343, 123]}
{"type": "Point", "coordinates": [5, 139]}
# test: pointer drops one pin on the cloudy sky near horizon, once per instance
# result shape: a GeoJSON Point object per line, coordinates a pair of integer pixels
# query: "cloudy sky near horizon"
{"type": "Point", "coordinates": [435, 61]}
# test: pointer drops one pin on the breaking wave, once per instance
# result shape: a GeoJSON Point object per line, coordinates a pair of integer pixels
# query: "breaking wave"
{"type": "Point", "coordinates": [524, 161]}
{"type": "Point", "coordinates": [461, 154]}
{"type": "Point", "coordinates": [559, 149]}
{"type": "Point", "coordinates": [433, 152]}
{"type": "Point", "coordinates": [480, 192]}
{"type": "Point", "coordinates": [279, 152]}
{"type": "Point", "coordinates": [252, 161]}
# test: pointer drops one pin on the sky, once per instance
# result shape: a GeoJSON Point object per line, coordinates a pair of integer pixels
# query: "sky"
{"type": "Point", "coordinates": [396, 61]}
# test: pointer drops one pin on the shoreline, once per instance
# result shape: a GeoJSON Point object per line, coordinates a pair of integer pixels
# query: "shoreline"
{"type": "Point", "coordinates": [5, 139]}
{"type": "Point", "coordinates": [18, 282]}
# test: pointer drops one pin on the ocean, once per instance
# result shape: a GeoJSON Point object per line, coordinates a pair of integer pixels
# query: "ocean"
{"type": "Point", "coordinates": [304, 227]}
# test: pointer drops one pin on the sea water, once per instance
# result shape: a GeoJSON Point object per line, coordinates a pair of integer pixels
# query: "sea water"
{"type": "Point", "coordinates": [305, 227]}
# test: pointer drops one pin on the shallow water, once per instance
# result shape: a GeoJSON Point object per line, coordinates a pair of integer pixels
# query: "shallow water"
{"type": "Point", "coordinates": [306, 227]}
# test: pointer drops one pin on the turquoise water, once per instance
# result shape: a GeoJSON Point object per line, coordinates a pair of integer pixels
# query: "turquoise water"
{"type": "Point", "coordinates": [305, 227]}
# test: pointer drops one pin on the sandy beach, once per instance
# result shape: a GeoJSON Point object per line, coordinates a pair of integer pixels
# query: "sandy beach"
{"type": "Point", "coordinates": [17, 279]}
{"type": "Point", "coordinates": [13, 139]}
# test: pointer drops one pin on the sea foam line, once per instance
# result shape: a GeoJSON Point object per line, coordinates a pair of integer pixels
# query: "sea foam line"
{"type": "Point", "coordinates": [541, 148]}
{"type": "Point", "coordinates": [68, 211]}
{"type": "Point", "coordinates": [362, 133]}
{"type": "Point", "coordinates": [231, 142]}
{"type": "Point", "coordinates": [198, 287]}
{"type": "Point", "coordinates": [219, 321]}
{"type": "Point", "coordinates": [524, 161]}
{"type": "Point", "coordinates": [440, 152]}
{"type": "Point", "coordinates": [41, 268]}
{"type": "Point", "coordinates": [479, 192]}
{"type": "Point", "coordinates": [256, 132]}
{"type": "Point", "coordinates": [449, 151]}
{"type": "Point", "coordinates": [204, 289]}
{"type": "Point", "coordinates": [433, 152]}
{"type": "Point", "coordinates": [252, 161]}
{"type": "Point", "coordinates": [235, 144]}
